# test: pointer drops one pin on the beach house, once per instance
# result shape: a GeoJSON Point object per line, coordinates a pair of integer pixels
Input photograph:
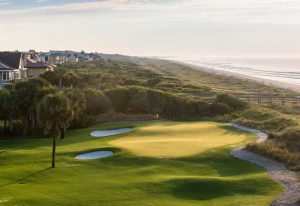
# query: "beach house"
{"type": "Point", "coordinates": [73, 58]}
{"type": "Point", "coordinates": [11, 67]}
{"type": "Point", "coordinates": [35, 67]}
{"type": "Point", "coordinates": [55, 58]}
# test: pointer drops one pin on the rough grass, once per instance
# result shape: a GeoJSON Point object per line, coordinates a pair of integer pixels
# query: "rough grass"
{"type": "Point", "coordinates": [213, 177]}
{"type": "Point", "coordinates": [284, 141]}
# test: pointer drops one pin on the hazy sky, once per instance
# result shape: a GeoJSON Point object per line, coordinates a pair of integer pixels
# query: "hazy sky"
{"type": "Point", "coordinates": [154, 27]}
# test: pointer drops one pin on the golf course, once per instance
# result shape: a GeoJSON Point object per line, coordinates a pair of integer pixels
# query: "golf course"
{"type": "Point", "coordinates": [154, 163]}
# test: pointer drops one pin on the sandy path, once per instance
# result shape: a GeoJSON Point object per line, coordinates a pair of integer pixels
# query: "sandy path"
{"type": "Point", "coordinates": [275, 169]}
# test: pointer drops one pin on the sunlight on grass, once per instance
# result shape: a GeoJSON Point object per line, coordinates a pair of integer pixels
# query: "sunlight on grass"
{"type": "Point", "coordinates": [178, 139]}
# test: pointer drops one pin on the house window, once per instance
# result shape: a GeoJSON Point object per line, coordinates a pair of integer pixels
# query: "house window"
{"type": "Point", "coordinates": [5, 76]}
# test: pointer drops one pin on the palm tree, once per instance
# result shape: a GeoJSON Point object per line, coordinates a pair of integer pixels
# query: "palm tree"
{"type": "Point", "coordinates": [78, 102]}
{"type": "Point", "coordinates": [54, 114]}
{"type": "Point", "coordinates": [30, 93]}
{"type": "Point", "coordinates": [8, 107]}
{"type": "Point", "coordinates": [4, 94]}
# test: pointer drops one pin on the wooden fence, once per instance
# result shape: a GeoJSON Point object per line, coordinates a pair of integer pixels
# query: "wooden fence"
{"type": "Point", "coordinates": [269, 100]}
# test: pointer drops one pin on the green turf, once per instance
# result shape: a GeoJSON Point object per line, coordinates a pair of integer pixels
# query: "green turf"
{"type": "Point", "coordinates": [210, 178]}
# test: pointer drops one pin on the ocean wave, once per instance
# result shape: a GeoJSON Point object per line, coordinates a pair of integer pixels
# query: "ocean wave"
{"type": "Point", "coordinates": [273, 71]}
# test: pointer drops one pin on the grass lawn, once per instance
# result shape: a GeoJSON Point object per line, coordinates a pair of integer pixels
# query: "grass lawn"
{"type": "Point", "coordinates": [159, 163]}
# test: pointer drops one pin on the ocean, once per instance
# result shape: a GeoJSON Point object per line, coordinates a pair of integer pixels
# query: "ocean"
{"type": "Point", "coordinates": [285, 70]}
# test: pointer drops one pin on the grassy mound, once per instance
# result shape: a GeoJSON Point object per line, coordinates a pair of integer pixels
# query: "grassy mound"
{"type": "Point", "coordinates": [211, 177]}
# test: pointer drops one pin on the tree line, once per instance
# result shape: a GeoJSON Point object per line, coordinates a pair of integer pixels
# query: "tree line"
{"type": "Point", "coordinates": [21, 104]}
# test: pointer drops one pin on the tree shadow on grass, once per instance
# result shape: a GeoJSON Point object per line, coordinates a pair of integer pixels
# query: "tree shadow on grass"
{"type": "Point", "coordinates": [207, 189]}
{"type": "Point", "coordinates": [224, 163]}
{"type": "Point", "coordinates": [26, 177]}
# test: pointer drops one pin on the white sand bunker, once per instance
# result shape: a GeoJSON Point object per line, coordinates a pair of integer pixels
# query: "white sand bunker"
{"type": "Point", "coordinates": [106, 133]}
{"type": "Point", "coordinates": [94, 155]}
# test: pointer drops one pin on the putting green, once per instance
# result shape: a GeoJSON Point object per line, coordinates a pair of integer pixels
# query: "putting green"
{"type": "Point", "coordinates": [177, 139]}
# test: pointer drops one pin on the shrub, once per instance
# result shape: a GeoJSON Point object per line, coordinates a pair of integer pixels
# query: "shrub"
{"type": "Point", "coordinates": [231, 102]}
{"type": "Point", "coordinates": [196, 108]}
{"type": "Point", "coordinates": [120, 98]}
{"type": "Point", "coordinates": [141, 100]}
{"type": "Point", "coordinates": [277, 151]}
{"type": "Point", "coordinates": [219, 109]}
{"type": "Point", "coordinates": [70, 79]}
{"type": "Point", "coordinates": [271, 125]}
{"type": "Point", "coordinates": [290, 137]}
{"type": "Point", "coordinates": [18, 128]}
{"type": "Point", "coordinates": [258, 114]}
{"type": "Point", "coordinates": [85, 120]}
{"type": "Point", "coordinates": [96, 102]}
{"type": "Point", "coordinates": [54, 77]}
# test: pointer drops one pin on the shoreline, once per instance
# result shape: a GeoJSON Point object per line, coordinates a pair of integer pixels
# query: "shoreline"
{"type": "Point", "coordinates": [267, 82]}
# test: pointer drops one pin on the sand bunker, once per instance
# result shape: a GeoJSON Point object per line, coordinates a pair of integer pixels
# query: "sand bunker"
{"type": "Point", "coordinates": [94, 155]}
{"type": "Point", "coordinates": [106, 133]}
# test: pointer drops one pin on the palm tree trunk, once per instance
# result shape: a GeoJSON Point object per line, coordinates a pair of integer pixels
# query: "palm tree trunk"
{"type": "Point", "coordinates": [34, 124]}
{"type": "Point", "coordinates": [53, 151]}
{"type": "Point", "coordinates": [25, 128]}
{"type": "Point", "coordinates": [60, 83]}
{"type": "Point", "coordinates": [5, 125]}
{"type": "Point", "coordinates": [11, 128]}
{"type": "Point", "coordinates": [62, 133]}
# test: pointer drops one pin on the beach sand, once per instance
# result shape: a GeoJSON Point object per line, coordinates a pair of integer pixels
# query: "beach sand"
{"type": "Point", "coordinates": [268, 82]}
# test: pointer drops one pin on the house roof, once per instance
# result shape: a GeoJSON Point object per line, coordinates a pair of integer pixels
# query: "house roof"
{"type": "Point", "coordinates": [57, 54]}
{"type": "Point", "coordinates": [71, 55]}
{"type": "Point", "coordinates": [11, 59]}
{"type": "Point", "coordinates": [33, 56]}
{"type": "Point", "coordinates": [4, 66]}
{"type": "Point", "coordinates": [30, 63]}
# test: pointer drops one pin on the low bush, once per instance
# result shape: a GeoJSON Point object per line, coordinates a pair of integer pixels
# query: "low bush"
{"type": "Point", "coordinates": [271, 125]}
{"type": "Point", "coordinates": [141, 100]}
{"type": "Point", "coordinates": [85, 120]}
{"type": "Point", "coordinates": [231, 102]}
{"type": "Point", "coordinates": [258, 114]}
{"type": "Point", "coordinates": [277, 151]}
{"type": "Point", "coordinates": [219, 109]}
{"type": "Point", "coordinates": [290, 138]}
{"type": "Point", "coordinates": [96, 102]}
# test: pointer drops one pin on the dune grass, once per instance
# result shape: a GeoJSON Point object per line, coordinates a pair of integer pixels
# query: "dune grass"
{"type": "Point", "coordinates": [203, 177]}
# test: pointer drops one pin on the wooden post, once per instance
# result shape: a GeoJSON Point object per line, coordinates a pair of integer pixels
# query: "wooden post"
{"type": "Point", "coordinates": [53, 151]}
{"type": "Point", "coordinates": [283, 102]}
{"type": "Point", "coordinates": [270, 100]}
{"type": "Point", "coordinates": [259, 101]}
{"type": "Point", "coordinates": [294, 102]}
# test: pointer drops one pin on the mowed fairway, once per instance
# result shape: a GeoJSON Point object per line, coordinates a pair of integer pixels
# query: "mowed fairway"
{"type": "Point", "coordinates": [177, 140]}
{"type": "Point", "coordinates": [157, 164]}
